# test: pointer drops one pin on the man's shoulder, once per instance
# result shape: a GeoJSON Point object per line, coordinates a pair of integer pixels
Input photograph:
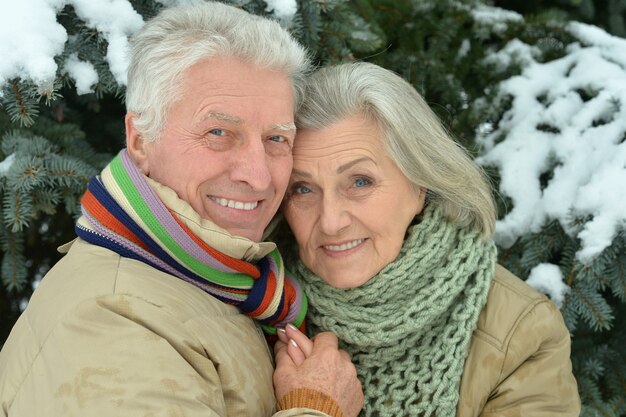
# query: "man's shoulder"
{"type": "Point", "coordinates": [89, 274]}
{"type": "Point", "coordinates": [99, 314]}
{"type": "Point", "coordinates": [85, 272]}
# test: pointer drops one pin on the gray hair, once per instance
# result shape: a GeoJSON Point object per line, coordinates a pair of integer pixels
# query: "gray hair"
{"type": "Point", "coordinates": [182, 36]}
{"type": "Point", "coordinates": [413, 136]}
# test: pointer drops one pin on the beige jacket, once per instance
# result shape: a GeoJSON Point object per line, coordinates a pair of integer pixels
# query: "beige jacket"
{"type": "Point", "coordinates": [519, 359]}
{"type": "Point", "coordinates": [107, 336]}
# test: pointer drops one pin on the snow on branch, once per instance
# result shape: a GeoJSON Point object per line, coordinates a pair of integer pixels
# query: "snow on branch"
{"type": "Point", "coordinates": [31, 38]}
{"type": "Point", "coordinates": [283, 10]}
{"type": "Point", "coordinates": [561, 147]}
{"type": "Point", "coordinates": [548, 279]}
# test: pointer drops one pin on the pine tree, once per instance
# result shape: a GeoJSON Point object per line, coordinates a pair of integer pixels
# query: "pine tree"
{"type": "Point", "coordinates": [53, 139]}
{"type": "Point", "coordinates": [610, 14]}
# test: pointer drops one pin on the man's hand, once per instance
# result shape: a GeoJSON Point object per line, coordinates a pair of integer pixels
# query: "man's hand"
{"type": "Point", "coordinates": [319, 365]}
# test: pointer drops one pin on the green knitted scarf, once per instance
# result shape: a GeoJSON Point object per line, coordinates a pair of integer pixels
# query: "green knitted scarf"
{"type": "Point", "coordinates": [408, 329]}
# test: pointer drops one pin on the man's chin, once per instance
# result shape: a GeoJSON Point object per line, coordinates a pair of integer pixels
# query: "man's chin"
{"type": "Point", "coordinates": [252, 233]}
{"type": "Point", "coordinates": [240, 224]}
{"type": "Point", "coordinates": [250, 224]}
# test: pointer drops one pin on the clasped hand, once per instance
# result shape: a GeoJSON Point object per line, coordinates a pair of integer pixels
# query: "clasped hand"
{"type": "Point", "coordinates": [319, 365]}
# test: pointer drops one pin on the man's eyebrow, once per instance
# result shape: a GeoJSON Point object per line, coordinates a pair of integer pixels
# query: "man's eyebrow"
{"type": "Point", "coordinates": [223, 116]}
{"type": "Point", "coordinates": [285, 127]}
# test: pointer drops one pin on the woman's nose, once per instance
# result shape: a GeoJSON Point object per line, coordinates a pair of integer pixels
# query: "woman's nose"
{"type": "Point", "coordinates": [334, 216]}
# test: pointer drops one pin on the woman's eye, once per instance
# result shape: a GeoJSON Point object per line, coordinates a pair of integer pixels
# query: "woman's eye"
{"type": "Point", "coordinates": [362, 182]}
{"type": "Point", "coordinates": [301, 189]}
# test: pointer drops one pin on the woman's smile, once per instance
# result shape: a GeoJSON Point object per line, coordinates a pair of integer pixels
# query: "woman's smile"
{"type": "Point", "coordinates": [343, 249]}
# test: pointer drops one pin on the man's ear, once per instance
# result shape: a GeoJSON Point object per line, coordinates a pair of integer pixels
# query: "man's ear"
{"type": "Point", "coordinates": [135, 145]}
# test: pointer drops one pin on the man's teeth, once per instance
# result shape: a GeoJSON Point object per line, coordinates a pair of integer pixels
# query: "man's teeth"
{"type": "Point", "coordinates": [239, 205]}
{"type": "Point", "coordinates": [344, 246]}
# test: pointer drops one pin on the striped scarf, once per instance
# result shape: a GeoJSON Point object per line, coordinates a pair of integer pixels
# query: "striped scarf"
{"type": "Point", "coordinates": [121, 212]}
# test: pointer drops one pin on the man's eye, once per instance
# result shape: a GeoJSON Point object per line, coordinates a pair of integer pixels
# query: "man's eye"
{"type": "Point", "coordinates": [362, 182]}
{"type": "Point", "coordinates": [217, 132]}
{"type": "Point", "coordinates": [277, 138]}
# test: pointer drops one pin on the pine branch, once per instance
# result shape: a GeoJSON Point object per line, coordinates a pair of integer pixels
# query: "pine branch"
{"type": "Point", "coordinates": [14, 265]}
{"type": "Point", "coordinates": [616, 268]}
{"type": "Point", "coordinates": [591, 306]}
{"type": "Point", "coordinates": [20, 103]}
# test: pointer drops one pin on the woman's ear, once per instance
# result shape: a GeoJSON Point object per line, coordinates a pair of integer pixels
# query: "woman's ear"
{"type": "Point", "coordinates": [135, 145]}
{"type": "Point", "coordinates": [421, 200]}
{"type": "Point", "coordinates": [419, 206]}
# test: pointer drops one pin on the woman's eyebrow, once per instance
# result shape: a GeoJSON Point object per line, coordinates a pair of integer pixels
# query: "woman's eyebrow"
{"type": "Point", "coordinates": [340, 169]}
{"type": "Point", "coordinates": [300, 173]}
{"type": "Point", "coordinates": [350, 164]}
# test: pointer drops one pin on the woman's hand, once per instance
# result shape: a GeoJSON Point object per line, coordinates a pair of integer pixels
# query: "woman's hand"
{"type": "Point", "coordinates": [318, 365]}
{"type": "Point", "coordinates": [299, 346]}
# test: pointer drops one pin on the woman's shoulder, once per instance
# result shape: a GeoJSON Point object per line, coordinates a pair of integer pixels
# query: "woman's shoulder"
{"type": "Point", "coordinates": [510, 300]}
{"type": "Point", "coordinates": [506, 284]}
{"type": "Point", "coordinates": [518, 362]}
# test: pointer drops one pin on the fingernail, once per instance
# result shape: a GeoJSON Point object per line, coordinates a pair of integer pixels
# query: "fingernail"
{"type": "Point", "coordinates": [292, 327]}
{"type": "Point", "coordinates": [293, 343]}
{"type": "Point", "coordinates": [281, 330]}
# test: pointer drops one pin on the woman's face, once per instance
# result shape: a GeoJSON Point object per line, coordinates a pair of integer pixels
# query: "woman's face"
{"type": "Point", "coordinates": [347, 203]}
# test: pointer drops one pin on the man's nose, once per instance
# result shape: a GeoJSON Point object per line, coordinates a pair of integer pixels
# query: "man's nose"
{"type": "Point", "coordinates": [251, 165]}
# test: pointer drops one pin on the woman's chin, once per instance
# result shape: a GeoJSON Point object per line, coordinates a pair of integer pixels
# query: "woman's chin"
{"type": "Point", "coordinates": [345, 281]}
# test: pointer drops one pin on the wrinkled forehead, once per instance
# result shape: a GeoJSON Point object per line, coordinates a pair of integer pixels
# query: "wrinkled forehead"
{"type": "Point", "coordinates": [346, 139]}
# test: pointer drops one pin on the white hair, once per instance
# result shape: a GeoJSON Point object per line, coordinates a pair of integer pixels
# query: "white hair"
{"type": "Point", "coordinates": [182, 36]}
{"type": "Point", "coordinates": [413, 136]}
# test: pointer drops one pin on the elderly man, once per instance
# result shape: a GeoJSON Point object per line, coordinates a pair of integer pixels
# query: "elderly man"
{"type": "Point", "coordinates": [156, 308]}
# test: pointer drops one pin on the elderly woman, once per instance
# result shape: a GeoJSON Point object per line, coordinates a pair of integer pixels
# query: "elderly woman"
{"type": "Point", "coordinates": [393, 223]}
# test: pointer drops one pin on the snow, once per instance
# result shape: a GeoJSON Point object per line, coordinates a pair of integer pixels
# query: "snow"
{"type": "Point", "coordinates": [6, 164]}
{"type": "Point", "coordinates": [283, 10]}
{"type": "Point", "coordinates": [30, 37]}
{"type": "Point", "coordinates": [83, 73]}
{"type": "Point", "coordinates": [548, 279]}
{"type": "Point", "coordinates": [515, 51]}
{"type": "Point", "coordinates": [116, 20]}
{"type": "Point", "coordinates": [494, 17]}
{"type": "Point", "coordinates": [171, 3]}
{"type": "Point", "coordinates": [465, 48]}
{"type": "Point", "coordinates": [568, 118]}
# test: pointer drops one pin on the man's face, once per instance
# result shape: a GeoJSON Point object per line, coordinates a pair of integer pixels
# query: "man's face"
{"type": "Point", "coordinates": [226, 146]}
